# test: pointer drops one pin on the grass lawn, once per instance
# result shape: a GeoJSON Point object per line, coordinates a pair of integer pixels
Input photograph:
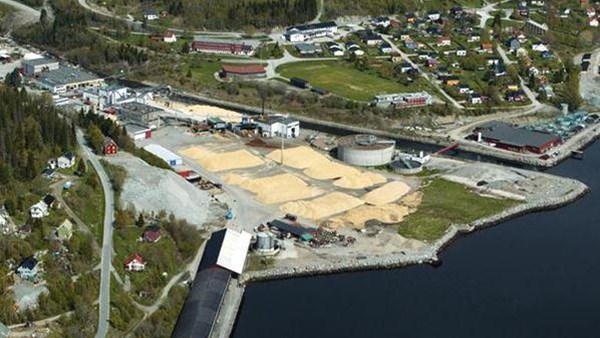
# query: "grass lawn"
{"type": "Point", "coordinates": [445, 203]}
{"type": "Point", "coordinates": [202, 70]}
{"type": "Point", "coordinates": [87, 201]}
{"type": "Point", "coordinates": [344, 80]}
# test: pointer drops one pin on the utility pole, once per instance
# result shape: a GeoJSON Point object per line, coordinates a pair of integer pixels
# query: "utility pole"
{"type": "Point", "coordinates": [284, 128]}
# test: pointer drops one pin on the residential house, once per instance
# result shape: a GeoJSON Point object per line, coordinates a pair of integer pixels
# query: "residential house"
{"type": "Point", "coordinates": [28, 268]}
{"type": "Point", "coordinates": [444, 41]}
{"type": "Point", "coordinates": [487, 47]}
{"type": "Point", "coordinates": [308, 48]}
{"type": "Point", "coordinates": [514, 45]}
{"type": "Point", "coordinates": [335, 49]}
{"type": "Point", "coordinates": [423, 56]}
{"type": "Point", "coordinates": [475, 98]}
{"type": "Point", "coordinates": [432, 63]}
{"type": "Point", "coordinates": [48, 174]}
{"type": "Point", "coordinates": [547, 55]}
{"type": "Point", "coordinates": [152, 235]}
{"type": "Point", "coordinates": [404, 67]}
{"type": "Point", "coordinates": [464, 89]}
{"type": "Point", "coordinates": [516, 96]}
{"type": "Point", "coordinates": [591, 12]}
{"type": "Point", "coordinates": [461, 52]}
{"type": "Point", "coordinates": [540, 47]}
{"type": "Point", "coordinates": [434, 15]}
{"type": "Point", "coordinates": [66, 160]}
{"type": "Point", "coordinates": [493, 60]}
{"type": "Point", "coordinates": [451, 81]}
{"type": "Point", "coordinates": [395, 24]}
{"type": "Point", "coordinates": [385, 48]}
{"type": "Point", "coordinates": [403, 36]}
{"type": "Point", "coordinates": [151, 15]}
{"type": "Point", "coordinates": [169, 37]}
{"type": "Point", "coordinates": [52, 164]}
{"type": "Point", "coordinates": [433, 31]}
{"type": "Point", "coordinates": [135, 262]}
{"type": "Point", "coordinates": [354, 48]}
{"type": "Point", "coordinates": [109, 147]}
{"type": "Point", "coordinates": [473, 38]}
{"type": "Point", "coordinates": [593, 22]}
{"type": "Point", "coordinates": [411, 18]}
{"type": "Point", "coordinates": [39, 210]}
{"type": "Point", "coordinates": [410, 44]}
{"type": "Point", "coordinates": [381, 21]}
{"type": "Point", "coordinates": [565, 13]}
{"type": "Point", "coordinates": [371, 39]}
{"type": "Point", "coordinates": [396, 58]}
{"type": "Point", "coordinates": [64, 231]}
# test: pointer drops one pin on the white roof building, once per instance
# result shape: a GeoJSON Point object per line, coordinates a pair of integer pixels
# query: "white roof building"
{"type": "Point", "coordinates": [234, 249]}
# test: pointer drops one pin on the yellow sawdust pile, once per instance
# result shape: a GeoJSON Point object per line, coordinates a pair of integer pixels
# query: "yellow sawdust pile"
{"type": "Point", "coordinates": [298, 157]}
{"type": "Point", "coordinates": [275, 189]}
{"type": "Point", "coordinates": [320, 167]}
{"type": "Point", "coordinates": [387, 193]}
{"type": "Point", "coordinates": [322, 207]}
{"type": "Point", "coordinates": [356, 218]}
{"type": "Point", "coordinates": [222, 161]}
{"type": "Point", "coordinates": [360, 181]}
{"type": "Point", "coordinates": [202, 111]}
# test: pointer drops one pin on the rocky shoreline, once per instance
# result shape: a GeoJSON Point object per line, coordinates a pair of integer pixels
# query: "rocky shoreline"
{"type": "Point", "coordinates": [427, 255]}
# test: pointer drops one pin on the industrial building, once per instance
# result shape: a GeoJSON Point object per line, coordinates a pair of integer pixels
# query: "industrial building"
{"type": "Point", "coordinates": [224, 255]}
{"type": "Point", "coordinates": [276, 125]}
{"type": "Point", "coordinates": [139, 113]}
{"type": "Point", "coordinates": [406, 166]}
{"type": "Point", "coordinates": [104, 97]}
{"type": "Point", "coordinates": [138, 132]}
{"type": "Point", "coordinates": [225, 46]}
{"type": "Point", "coordinates": [164, 154]}
{"type": "Point", "coordinates": [365, 150]}
{"type": "Point", "coordinates": [506, 136]}
{"type": "Point", "coordinates": [36, 66]}
{"type": "Point", "coordinates": [310, 31]}
{"type": "Point", "coordinates": [65, 79]}
{"type": "Point", "coordinates": [403, 100]}
{"type": "Point", "coordinates": [293, 229]}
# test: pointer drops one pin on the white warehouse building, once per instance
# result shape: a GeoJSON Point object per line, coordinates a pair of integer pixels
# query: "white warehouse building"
{"type": "Point", "coordinates": [276, 125]}
{"type": "Point", "coordinates": [164, 154]}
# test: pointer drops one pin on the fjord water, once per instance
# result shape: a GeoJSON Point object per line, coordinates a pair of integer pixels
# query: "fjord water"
{"type": "Point", "coordinates": [535, 276]}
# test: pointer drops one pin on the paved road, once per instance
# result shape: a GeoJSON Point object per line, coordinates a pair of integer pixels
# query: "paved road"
{"type": "Point", "coordinates": [107, 245]}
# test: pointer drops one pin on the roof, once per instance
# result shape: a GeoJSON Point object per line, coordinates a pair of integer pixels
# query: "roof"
{"type": "Point", "coordinates": [68, 155]}
{"type": "Point", "coordinates": [135, 257]}
{"type": "Point", "coordinates": [202, 305]}
{"type": "Point", "coordinates": [38, 62]}
{"type": "Point", "coordinates": [508, 134]}
{"type": "Point", "coordinates": [234, 249]}
{"type": "Point", "coordinates": [161, 152]}
{"type": "Point", "coordinates": [244, 69]}
{"type": "Point", "coordinates": [28, 263]}
{"type": "Point", "coordinates": [272, 119]}
{"type": "Point", "coordinates": [152, 235]}
{"type": "Point", "coordinates": [246, 42]}
{"type": "Point", "coordinates": [108, 140]}
{"type": "Point", "coordinates": [49, 199]}
{"type": "Point", "coordinates": [312, 26]}
{"type": "Point", "coordinates": [295, 230]}
{"type": "Point", "coordinates": [65, 75]}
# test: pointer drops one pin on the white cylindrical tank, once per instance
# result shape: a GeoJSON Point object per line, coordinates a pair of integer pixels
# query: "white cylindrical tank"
{"type": "Point", "coordinates": [365, 150]}
{"type": "Point", "coordinates": [263, 242]}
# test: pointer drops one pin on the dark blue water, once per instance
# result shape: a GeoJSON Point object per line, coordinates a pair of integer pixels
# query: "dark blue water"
{"type": "Point", "coordinates": [536, 276]}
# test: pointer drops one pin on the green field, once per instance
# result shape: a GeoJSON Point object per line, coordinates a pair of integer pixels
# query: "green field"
{"type": "Point", "coordinates": [344, 80]}
{"type": "Point", "coordinates": [445, 203]}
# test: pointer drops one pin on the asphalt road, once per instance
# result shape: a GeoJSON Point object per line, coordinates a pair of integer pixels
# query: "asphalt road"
{"type": "Point", "coordinates": [107, 244]}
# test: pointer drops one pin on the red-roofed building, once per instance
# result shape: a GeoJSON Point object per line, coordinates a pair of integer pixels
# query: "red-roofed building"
{"type": "Point", "coordinates": [243, 71]}
{"type": "Point", "coordinates": [222, 46]}
{"type": "Point", "coordinates": [135, 262]}
{"type": "Point", "coordinates": [152, 235]}
{"type": "Point", "coordinates": [110, 147]}
{"type": "Point", "coordinates": [169, 37]}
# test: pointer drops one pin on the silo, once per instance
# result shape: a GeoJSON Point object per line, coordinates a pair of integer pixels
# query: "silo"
{"type": "Point", "coordinates": [263, 242]}
{"type": "Point", "coordinates": [365, 150]}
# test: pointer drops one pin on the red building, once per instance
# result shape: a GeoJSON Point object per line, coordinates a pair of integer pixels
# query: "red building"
{"type": "Point", "coordinates": [220, 46]}
{"type": "Point", "coordinates": [243, 71]}
{"type": "Point", "coordinates": [110, 147]}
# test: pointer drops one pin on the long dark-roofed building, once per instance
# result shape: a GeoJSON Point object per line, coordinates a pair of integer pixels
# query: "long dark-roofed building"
{"type": "Point", "coordinates": [505, 136]}
{"type": "Point", "coordinates": [224, 255]}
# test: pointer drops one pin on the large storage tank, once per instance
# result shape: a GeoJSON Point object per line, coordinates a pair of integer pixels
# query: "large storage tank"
{"type": "Point", "coordinates": [264, 242]}
{"type": "Point", "coordinates": [406, 166]}
{"type": "Point", "coordinates": [365, 150]}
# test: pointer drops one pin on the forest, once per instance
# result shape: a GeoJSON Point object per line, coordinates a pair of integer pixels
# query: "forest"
{"type": "Point", "coordinates": [31, 132]}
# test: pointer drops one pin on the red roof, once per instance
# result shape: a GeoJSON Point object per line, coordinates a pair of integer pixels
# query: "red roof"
{"type": "Point", "coordinates": [152, 235]}
{"type": "Point", "coordinates": [244, 69]}
{"type": "Point", "coordinates": [135, 257]}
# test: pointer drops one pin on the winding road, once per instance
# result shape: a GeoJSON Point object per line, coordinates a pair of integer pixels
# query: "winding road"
{"type": "Point", "coordinates": [107, 243]}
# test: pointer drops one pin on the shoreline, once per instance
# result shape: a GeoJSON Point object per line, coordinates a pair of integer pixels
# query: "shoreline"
{"type": "Point", "coordinates": [579, 141]}
{"type": "Point", "coordinates": [428, 255]}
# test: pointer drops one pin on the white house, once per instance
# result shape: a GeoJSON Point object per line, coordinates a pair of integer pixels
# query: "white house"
{"type": "Point", "coordinates": [151, 15]}
{"type": "Point", "coordinates": [461, 52]}
{"type": "Point", "coordinates": [386, 48]}
{"type": "Point", "coordinates": [135, 262]}
{"type": "Point", "coordinates": [475, 99]}
{"type": "Point", "coordinates": [540, 47]}
{"type": "Point", "coordinates": [591, 12]}
{"type": "Point", "coordinates": [434, 16]}
{"type": "Point", "coordinates": [593, 22]}
{"type": "Point", "coordinates": [28, 268]}
{"type": "Point", "coordinates": [444, 41]}
{"type": "Point", "coordinates": [169, 37]}
{"type": "Point", "coordinates": [66, 160]}
{"type": "Point", "coordinates": [39, 210]}
{"type": "Point", "coordinates": [273, 126]}
{"type": "Point", "coordinates": [382, 21]}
